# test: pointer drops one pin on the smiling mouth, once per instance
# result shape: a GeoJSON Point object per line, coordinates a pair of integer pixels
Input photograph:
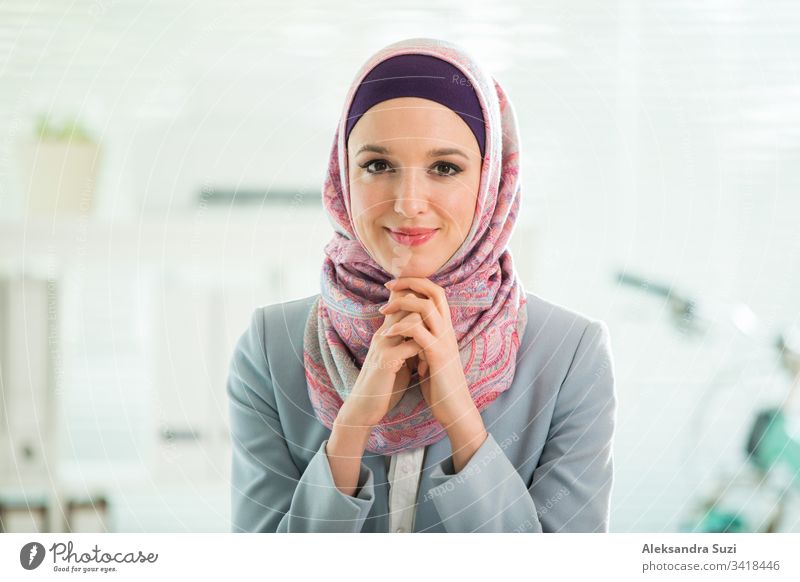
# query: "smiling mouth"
{"type": "Point", "coordinates": [412, 240]}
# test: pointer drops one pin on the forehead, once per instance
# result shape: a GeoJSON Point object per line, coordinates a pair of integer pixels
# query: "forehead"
{"type": "Point", "coordinates": [405, 110]}
{"type": "Point", "coordinates": [408, 103]}
{"type": "Point", "coordinates": [403, 118]}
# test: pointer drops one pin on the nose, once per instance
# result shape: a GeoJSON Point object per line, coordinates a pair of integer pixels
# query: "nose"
{"type": "Point", "coordinates": [410, 197]}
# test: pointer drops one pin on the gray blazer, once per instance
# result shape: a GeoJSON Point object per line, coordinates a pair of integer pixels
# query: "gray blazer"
{"type": "Point", "coordinates": [546, 465]}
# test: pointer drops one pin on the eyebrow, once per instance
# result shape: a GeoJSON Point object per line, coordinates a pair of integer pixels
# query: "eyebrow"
{"type": "Point", "coordinates": [435, 152]}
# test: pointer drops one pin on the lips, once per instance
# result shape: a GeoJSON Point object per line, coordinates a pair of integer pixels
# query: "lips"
{"type": "Point", "coordinates": [413, 236]}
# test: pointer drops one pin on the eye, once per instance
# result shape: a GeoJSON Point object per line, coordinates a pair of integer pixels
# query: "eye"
{"type": "Point", "coordinates": [443, 169]}
{"type": "Point", "coordinates": [447, 166]}
{"type": "Point", "coordinates": [366, 166]}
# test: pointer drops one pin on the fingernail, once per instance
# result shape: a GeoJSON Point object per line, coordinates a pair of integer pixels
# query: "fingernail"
{"type": "Point", "coordinates": [388, 283]}
{"type": "Point", "coordinates": [386, 331]}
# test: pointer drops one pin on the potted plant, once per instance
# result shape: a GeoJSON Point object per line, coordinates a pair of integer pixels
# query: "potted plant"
{"type": "Point", "coordinates": [58, 169]}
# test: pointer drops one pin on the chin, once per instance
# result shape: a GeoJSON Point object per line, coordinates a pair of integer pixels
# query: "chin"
{"type": "Point", "coordinates": [413, 264]}
{"type": "Point", "coordinates": [412, 270]}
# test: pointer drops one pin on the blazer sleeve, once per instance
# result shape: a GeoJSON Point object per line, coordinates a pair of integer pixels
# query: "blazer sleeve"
{"type": "Point", "coordinates": [571, 485]}
{"type": "Point", "coordinates": [269, 492]}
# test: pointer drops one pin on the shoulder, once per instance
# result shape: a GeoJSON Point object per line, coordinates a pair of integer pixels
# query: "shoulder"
{"type": "Point", "coordinates": [558, 332]}
{"type": "Point", "coordinates": [543, 312]}
{"type": "Point", "coordinates": [287, 314]}
{"type": "Point", "coordinates": [278, 327]}
{"type": "Point", "coordinates": [274, 334]}
{"type": "Point", "coordinates": [269, 318]}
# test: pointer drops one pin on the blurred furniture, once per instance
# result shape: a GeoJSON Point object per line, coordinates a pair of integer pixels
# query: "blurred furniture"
{"type": "Point", "coordinates": [36, 507]}
{"type": "Point", "coordinates": [97, 505]}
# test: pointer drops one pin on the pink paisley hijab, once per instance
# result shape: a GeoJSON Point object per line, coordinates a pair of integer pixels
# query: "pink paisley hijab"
{"type": "Point", "coordinates": [485, 295]}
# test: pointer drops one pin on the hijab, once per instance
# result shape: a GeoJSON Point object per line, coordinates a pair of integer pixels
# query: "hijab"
{"type": "Point", "coordinates": [484, 293]}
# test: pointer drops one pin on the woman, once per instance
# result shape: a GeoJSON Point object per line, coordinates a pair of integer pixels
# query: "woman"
{"type": "Point", "coordinates": [432, 392]}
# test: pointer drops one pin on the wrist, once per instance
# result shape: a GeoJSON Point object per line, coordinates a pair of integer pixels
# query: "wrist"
{"type": "Point", "coordinates": [457, 410]}
{"type": "Point", "coordinates": [467, 427]}
{"type": "Point", "coordinates": [466, 437]}
{"type": "Point", "coordinates": [349, 434]}
{"type": "Point", "coordinates": [345, 449]}
{"type": "Point", "coordinates": [351, 422]}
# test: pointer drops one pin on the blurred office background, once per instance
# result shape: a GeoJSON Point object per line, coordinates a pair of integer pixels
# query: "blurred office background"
{"type": "Point", "coordinates": [160, 173]}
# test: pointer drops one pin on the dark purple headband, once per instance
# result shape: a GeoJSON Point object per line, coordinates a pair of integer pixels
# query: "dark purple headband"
{"type": "Point", "coordinates": [417, 75]}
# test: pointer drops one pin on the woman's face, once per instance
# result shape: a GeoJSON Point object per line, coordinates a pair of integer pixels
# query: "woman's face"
{"type": "Point", "coordinates": [413, 164]}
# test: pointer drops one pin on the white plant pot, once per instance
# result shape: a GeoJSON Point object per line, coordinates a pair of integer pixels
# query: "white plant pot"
{"type": "Point", "coordinates": [58, 178]}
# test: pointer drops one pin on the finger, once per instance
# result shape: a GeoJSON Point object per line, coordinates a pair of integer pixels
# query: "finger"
{"type": "Point", "coordinates": [425, 307]}
{"type": "Point", "coordinates": [390, 330]}
{"type": "Point", "coordinates": [426, 287]}
{"type": "Point", "coordinates": [412, 327]}
{"type": "Point", "coordinates": [393, 318]}
{"type": "Point", "coordinates": [404, 350]}
{"type": "Point", "coordinates": [411, 299]}
{"type": "Point", "coordinates": [394, 355]}
{"type": "Point", "coordinates": [397, 315]}
{"type": "Point", "coordinates": [393, 295]}
{"type": "Point", "coordinates": [406, 317]}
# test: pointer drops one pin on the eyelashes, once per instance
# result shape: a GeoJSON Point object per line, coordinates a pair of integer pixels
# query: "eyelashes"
{"type": "Point", "coordinates": [449, 165]}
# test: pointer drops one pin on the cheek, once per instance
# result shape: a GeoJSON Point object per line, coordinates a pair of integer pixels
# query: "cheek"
{"type": "Point", "coordinates": [366, 207]}
{"type": "Point", "coordinates": [459, 207]}
{"type": "Point", "coordinates": [470, 201]}
{"type": "Point", "coordinates": [358, 197]}
{"type": "Point", "coordinates": [463, 222]}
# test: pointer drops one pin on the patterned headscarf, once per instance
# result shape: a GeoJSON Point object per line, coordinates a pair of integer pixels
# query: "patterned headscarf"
{"type": "Point", "coordinates": [484, 293]}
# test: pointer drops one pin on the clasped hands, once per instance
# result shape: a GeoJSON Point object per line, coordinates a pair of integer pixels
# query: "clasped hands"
{"type": "Point", "coordinates": [442, 380]}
